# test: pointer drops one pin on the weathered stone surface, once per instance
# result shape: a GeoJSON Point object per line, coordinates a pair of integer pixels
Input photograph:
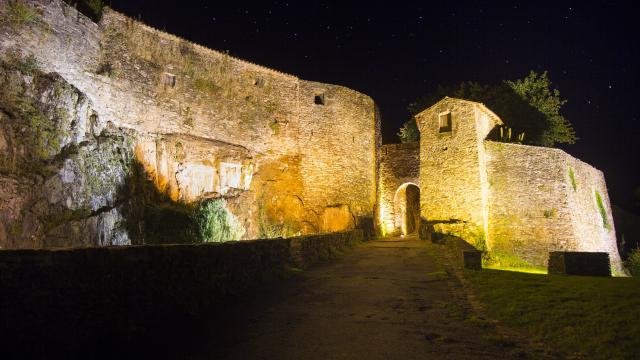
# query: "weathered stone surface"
{"type": "Point", "coordinates": [510, 199]}
{"type": "Point", "coordinates": [579, 263]}
{"type": "Point", "coordinates": [61, 178]}
{"type": "Point", "coordinates": [200, 123]}
{"type": "Point", "coordinates": [544, 200]}
{"type": "Point", "coordinates": [399, 166]}
{"type": "Point", "coordinates": [452, 171]}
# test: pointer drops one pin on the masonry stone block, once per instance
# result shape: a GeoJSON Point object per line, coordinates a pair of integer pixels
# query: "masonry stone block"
{"type": "Point", "coordinates": [579, 263]}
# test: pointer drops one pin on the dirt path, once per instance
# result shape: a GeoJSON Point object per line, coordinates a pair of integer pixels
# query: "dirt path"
{"type": "Point", "coordinates": [387, 299]}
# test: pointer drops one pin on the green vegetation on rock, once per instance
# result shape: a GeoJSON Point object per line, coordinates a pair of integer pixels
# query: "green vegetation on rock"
{"type": "Point", "coordinates": [215, 223]}
{"type": "Point", "coordinates": [572, 177]}
{"type": "Point", "coordinates": [500, 261]}
{"type": "Point", "coordinates": [19, 13]}
{"type": "Point", "coordinates": [603, 211]}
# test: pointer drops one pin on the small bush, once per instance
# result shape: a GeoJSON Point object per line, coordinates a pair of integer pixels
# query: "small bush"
{"type": "Point", "coordinates": [215, 223]}
{"type": "Point", "coordinates": [633, 263]}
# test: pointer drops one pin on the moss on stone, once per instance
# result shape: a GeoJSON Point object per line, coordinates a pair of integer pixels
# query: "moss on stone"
{"type": "Point", "coordinates": [64, 216]}
{"type": "Point", "coordinates": [572, 177]}
{"type": "Point", "coordinates": [19, 13]}
{"type": "Point", "coordinates": [551, 213]}
{"type": "Point", "coordinates": [603, 211]}
{"type": "Point", "coordinates": [275, 127]}
{"type": "Point", "coordinates": [215, 223]}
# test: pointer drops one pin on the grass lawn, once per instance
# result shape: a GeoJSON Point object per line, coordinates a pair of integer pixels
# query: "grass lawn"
{"type": "Point", "coordinates": [587, 317]}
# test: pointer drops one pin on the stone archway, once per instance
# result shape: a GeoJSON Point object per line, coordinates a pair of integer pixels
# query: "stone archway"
{"type": "Point", "coordinates": [406, 208]}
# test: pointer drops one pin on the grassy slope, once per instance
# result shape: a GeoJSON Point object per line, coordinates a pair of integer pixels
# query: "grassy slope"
{"type": "Point", "coordinates": [593, 318]}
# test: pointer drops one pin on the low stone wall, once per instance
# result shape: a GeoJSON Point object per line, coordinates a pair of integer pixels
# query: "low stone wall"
{"type": "Point", "coordinates": [579, 263]}
{"type": "Point", "coordinates": [72, 298]}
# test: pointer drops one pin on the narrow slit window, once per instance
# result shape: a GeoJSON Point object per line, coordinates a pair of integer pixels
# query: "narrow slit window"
{"type": "Point", "coordinates": [445, 122]}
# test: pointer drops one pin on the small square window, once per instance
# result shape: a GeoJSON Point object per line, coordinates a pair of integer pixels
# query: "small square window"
{"type": "Point", "coordinates": [445, 122]}
{"type": "Point", "coordinates": [168, 80]}
{"type": "Point", "coordinates": [319, 100]}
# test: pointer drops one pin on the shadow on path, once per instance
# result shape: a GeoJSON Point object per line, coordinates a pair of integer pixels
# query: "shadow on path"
{"type": "Point", "coordinates": [387, 299]}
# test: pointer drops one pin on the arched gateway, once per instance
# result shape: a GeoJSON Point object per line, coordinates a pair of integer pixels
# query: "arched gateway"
{"type": "Point", "coordinates": [406, 208]}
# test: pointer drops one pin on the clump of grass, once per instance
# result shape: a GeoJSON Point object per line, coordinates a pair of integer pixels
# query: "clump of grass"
{"type": "Point", "coordinates": [548, 214]}
{"type": "Point", "coordinates": [603, 211]}
{"type": "Point", "coordinates": [511, 263]}
{"type": "Point", "coordinates": [206, 85]}
{"type": "Point", "coordinates": [20, 14]}
{"type": "Point", "coordinates": [28, 65]}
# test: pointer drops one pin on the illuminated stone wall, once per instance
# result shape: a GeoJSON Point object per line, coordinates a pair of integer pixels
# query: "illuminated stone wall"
{"type": "Point", "coordinates": [511, 199]}
{"type": "Point", "coordinates": [453, 180]}
{"type": "Point", "coordinates": [542, 200]}
{"type": "Point", "coordinates": [399, 164]}
{"type": "Point", "coordinates": [288, 155]}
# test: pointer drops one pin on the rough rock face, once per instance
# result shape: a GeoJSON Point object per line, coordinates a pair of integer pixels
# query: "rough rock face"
{"type": "Point", "coordinates": [63, 172]}
{"type": "Point", "coordinates": [143, 137]}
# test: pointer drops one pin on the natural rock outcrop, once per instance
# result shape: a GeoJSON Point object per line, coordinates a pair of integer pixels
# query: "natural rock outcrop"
{"type": "Point", "coordinates": [63, 171]}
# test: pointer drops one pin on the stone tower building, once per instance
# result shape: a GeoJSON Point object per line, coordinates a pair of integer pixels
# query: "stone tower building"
{"type": "Point", "coordinates": [513, 200]}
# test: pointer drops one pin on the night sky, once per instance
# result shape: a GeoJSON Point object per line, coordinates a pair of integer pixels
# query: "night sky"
{"type": "Point", "coordinates": [398, 51]}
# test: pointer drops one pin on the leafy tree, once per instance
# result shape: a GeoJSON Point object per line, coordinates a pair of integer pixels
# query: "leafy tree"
{"type": "Point", "coordinates": [409, 132]}
{"type": "Point", "coordinates": [529, 105]}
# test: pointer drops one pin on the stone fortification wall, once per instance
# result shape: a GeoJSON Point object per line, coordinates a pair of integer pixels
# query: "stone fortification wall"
{"type": "Point", "coordinates": [542, 200]}
{"type": "Point", "coordinates": [453, 183]}
{"type": "Point", "coordinates": [399, 165]}
{"type": "Point", "coordinates": [287, 155]}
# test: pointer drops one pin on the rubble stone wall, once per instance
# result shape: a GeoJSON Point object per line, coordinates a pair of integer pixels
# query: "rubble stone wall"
{"type": "Point", "coordinates": [288, 155]}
